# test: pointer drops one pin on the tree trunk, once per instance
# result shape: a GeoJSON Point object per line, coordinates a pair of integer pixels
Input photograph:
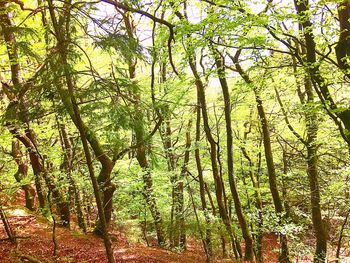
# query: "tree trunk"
{"type": "Point", "coordinates": [21, 173]}
{"type": "Point", "coordinates": [147, 179]}
{"type": "Point", "coordinates": [312, 171]}
{"type": "Point", "coordinates": [75, 114]}
{"type": "Point", "coordinates": [319, 84]}
{"type": "Point", "coordinates": [67, 168]}
{"type": "Point", "coordinates": [258, 201]}
{"type": "Point", "coordinates": [213, 154]}
{"type": "Point", "coordinates": [179, 200]}
{"type": "Point", "coordinates": [168, 145]}
{"type": "Point", "coordinates": [208, 246]}
{"type": "Point", "coordinates": [341, 235]}
{"type": "Point", "coordinates": [7, 226]}
{"type": "Point", "coordinates": [315, 78]}
{"type": "Point", "coordinates": [343, 46]}
{"type": "Point", "coordinates": [36, 164]}
{"type": "Point", "coordinates": [18, 100]}
{"type": "Point", "coordinates": [277, 201]}
{"type": "Point", "coordinates": [284, 253]}
{"type": "Point", "coordinates": [249, 254]}
{"type": "Point", "coordinates": [104, 178]}
{"type": "Point", "coordinates": [62, 204]}
{"type": "Point", "coordinates": [141, 154]}
{"type": "Point", "coordinates": [284, 186]}
{"type": "Point", "coordinates": [107, 165]}
{"type": "Point", "coordinates": [165, 134]}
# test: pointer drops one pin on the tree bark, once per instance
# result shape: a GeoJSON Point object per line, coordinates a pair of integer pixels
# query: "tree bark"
{"type": "Point", "coordinates": [249, 254]}
{"type": "Point", "coordinates": [208, 246]}
{"type": "Point", "coordinates": [343, 46]}
{"type": "Point", "coordinates": [147, 177]}
{"type": "Point", "coordinates": [312, 171]}
{"type": "Point", "coordinates": [177, 192]}
{"type": "Point", "coordinates": [341, 116]}
{"type": "Point", "coordinates": [284, 253]}
{"type": "Point", "coordinates": [213, 154]}
{"type": "Point", "coordinates": [180, 207]}
{"type": "Point", "coordinates": [258, 201]}
{"type": "Point", "coordinates": [67, 168]}
{"type": "Point", "coordinates": [104, 178]}
{"type": "Point", "coordinates": [80, 125]}
{"type": "Point", "coordinates": [277, 201]}
{"type": "Point", "coordinates": [9, 232]}
{"type": "Point", "coordinates": [17, 100]}
{"type": "Point", "coordinates": [341, 235]}
{"type": "Point", "coordinates": [21, 173]}
{"type": "Point", "coordinates": [314, 78]}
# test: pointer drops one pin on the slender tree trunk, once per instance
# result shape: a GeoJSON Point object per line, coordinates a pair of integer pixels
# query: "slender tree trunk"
{"type": "Point", "coordinates": [313, 79]}
{"type": "Point", "coordinates": [148, 182]}
{"type": "Point", "coordinates": [258, 202]}
{"type": "Point", "coordinates": [213, 148]}
{"type": "Point", "coordinates": [312, 171]}
{"type": "Point", "coordinates": [341, 235]}
{"type": "Point", "coordinates": [190, 192]}
{"type": "Point", "coordinates": [99, 201]}
{"type": "Point", "coordinates": [168, 145]}
{"type": "Point", "coordinates": [277, 201]}
{"type": "Point", "coordinates": [104, 178]}
{"type": "Point", "coordinates": [67, 168]}
{"type": "Point", "coordinates": [9, 232]}
{"type": "Point", "coordinates": [107, 188]}
{"type": "Point", "coordinates": [87, 207]}
{"type": "Point", "coordinates": [36, 164]}
{"type": "Point", "coordinates": [80, 125]}
{"type": "Point", "coordinates": [179, 209]}
{"type": "Point", "coordinates": [21, 173]}
{"type": "Point", "coordinates": [220, 168]}
{"type": "Point", "coordinates": [177, 192]}
{"type": "Point", "coordinates": [340, 115]}
{"type": "Point", "coordinates": [141, 154]}
{"type": "Point", "coordinates": [202, 185]}
{"type": "Point", "coordinates": [249, 254]}
{"type": "Point", "coordinates": [213, 154]}
{"type": "Point", "coordinates": [62, 204]}
{"type": "Point", "coordinates": [284, 253]}
{"type": "Point", "coordinates": [284, 186]}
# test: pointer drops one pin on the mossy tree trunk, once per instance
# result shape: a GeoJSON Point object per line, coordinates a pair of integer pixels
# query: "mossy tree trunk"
{"type": "Point", "coordinates": [66, 167]}
{"type": "Point", "coordinates": [22, 173]}
{"type": "Point", "coordinates": [86, 136]}
{"type": "Point", "coordinates": [17, 97]}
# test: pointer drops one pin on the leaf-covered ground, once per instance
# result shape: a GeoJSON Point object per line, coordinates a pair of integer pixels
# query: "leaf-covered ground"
{"type": "Point", "coordinates": [36, 241]}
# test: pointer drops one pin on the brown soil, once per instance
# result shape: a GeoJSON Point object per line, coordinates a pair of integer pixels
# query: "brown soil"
{"type": "Point", "coordinates": [36, 241]}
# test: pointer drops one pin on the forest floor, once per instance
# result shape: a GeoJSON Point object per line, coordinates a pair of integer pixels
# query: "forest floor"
{"type": "Point", "coordinates": [73, 246]}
